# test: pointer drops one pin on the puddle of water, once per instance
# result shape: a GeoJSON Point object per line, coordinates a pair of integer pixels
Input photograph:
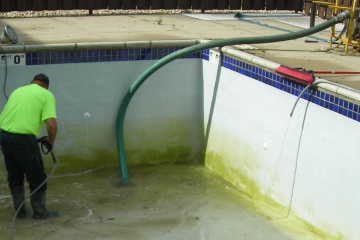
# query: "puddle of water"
{"type": "Point", "coordinates": [162, 202]}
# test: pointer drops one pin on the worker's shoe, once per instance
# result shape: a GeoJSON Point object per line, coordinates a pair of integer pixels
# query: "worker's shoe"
{"type": "Point", "coordinates": [18, 197]}
{"type": "Point", "coordinates": [38, 203]}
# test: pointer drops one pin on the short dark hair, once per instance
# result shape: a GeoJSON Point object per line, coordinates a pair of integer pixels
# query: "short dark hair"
{"type": "Point", "coordinates": [43, 78]}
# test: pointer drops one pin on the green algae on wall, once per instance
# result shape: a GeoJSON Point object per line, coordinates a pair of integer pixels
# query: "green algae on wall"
{"type": "Point", "coordinates": [236, 163]}
{"type": "Point", "coordinates": [67, 163]}
{"type": "Point", "coordinates": [149, 156]}
{"type": "Point", "coordinates": [102, 158]}
{"type": "Point", "coordinates": [161, 140]}
{"type": "Point", "coordinates": [146, 141]}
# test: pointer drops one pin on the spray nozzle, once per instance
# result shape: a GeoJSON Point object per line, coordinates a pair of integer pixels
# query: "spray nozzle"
{"type": "Point", "coordinates": [45, 144]}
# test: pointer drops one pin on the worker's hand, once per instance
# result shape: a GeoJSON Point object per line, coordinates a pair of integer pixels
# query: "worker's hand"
{"type": "Point", "coordinates": [45, 142]}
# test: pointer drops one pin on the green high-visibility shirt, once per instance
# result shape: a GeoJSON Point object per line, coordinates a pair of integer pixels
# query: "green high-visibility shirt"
{"type": "Point", "coordinates": [27, 109]}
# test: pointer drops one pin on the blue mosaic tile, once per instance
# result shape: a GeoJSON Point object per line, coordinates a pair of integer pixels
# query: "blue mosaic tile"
{"type": "Point", "coordinates": [326, 100]}
{"type": "Point", "coordinates": [101, 55]}
{"type": "Point", "coordinates": [331, 102]}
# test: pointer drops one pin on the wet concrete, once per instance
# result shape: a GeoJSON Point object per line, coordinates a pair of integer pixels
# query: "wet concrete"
{"type": "Point", "coordinates": [160, 202]}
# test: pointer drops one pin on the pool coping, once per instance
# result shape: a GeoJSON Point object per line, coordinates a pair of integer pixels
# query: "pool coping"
{"type": "Point", "coordinates": [342, 91]}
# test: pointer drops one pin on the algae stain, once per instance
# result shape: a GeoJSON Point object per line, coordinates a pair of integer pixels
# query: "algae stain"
{"type": "Point", "coordinates": [265, 206]}
{"type": "Point", "coordinates": [151, 156]}
{"type": "Point", "coordinates": [74, 163]}
{"type": "Point", "coordinates": [236, 163]}
{"type": "Point", "coordinates": [70, 163]}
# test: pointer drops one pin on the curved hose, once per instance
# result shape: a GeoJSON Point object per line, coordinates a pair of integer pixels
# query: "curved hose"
{"type": "Point", "coordinates": [195, 48]}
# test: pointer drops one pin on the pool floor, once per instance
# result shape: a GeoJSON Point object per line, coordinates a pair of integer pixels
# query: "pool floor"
{"type": "Point", "coordinates": [176, 201]}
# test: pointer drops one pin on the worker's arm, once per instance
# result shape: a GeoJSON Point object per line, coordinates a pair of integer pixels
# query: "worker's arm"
{"type": "Point", "coordinates": [51, 129]}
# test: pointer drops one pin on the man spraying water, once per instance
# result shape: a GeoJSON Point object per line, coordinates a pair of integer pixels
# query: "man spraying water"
{"type": "Point", "coordinates": [27, 109]}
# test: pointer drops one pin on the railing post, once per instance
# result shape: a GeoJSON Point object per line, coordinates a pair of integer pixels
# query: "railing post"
{"type": "Point", "coordinates": [312, 14]}
{"type": "Point", "coordinates": [90, 6]}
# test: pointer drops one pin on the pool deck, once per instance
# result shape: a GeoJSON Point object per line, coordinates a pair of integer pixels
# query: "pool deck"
{"type": "Point", "coordinates": [300, 53]}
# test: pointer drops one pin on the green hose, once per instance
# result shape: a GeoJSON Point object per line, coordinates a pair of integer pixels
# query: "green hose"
{"type": "Point", "coordinates": [196, 48]}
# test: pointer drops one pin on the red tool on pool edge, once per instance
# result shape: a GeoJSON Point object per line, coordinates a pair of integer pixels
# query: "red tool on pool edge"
{"type": "Point", "coordinates": [296, 75]}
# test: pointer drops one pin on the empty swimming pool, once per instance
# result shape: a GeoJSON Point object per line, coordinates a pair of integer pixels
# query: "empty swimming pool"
{"type": "Point", "coordinates": [203, 141]}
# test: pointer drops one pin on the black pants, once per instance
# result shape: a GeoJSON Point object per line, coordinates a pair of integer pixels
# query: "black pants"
{"type": "Point", "coordinates": [23, 158]}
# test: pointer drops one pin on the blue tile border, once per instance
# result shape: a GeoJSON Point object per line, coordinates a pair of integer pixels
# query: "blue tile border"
{"type": "Point", "coordinates": [101, 55]}
{"type": "Point", "coordinates": [323, 99]}
{"type": "Point", "coordinates": [320, 98]}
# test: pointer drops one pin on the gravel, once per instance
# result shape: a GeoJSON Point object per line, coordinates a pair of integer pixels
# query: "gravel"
{"type": "Point", "coordinates": [71, 13]}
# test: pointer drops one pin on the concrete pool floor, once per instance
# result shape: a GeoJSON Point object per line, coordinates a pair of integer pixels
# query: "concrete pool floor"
{"type": "Point", "coordinates": [172, 202]}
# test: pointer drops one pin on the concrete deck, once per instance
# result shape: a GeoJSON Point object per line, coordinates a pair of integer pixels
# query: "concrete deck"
{"type": "Point", "coordinates": [317, 56]}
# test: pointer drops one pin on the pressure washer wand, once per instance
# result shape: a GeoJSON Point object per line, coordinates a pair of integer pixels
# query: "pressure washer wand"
{"type": "Point", "coordinates": [53, 157]}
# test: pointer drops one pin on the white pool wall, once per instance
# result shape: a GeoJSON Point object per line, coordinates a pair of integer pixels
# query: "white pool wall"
{"type": "Point", "coordinates": [307, 163]}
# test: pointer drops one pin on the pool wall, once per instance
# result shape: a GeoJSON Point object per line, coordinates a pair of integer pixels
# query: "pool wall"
{"type": "Point", "coordinates": [305, 164]}
{"type": "Point", "coordinates": [234, 117]}
{"type": "Point", "coordinates": [163, 120]}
